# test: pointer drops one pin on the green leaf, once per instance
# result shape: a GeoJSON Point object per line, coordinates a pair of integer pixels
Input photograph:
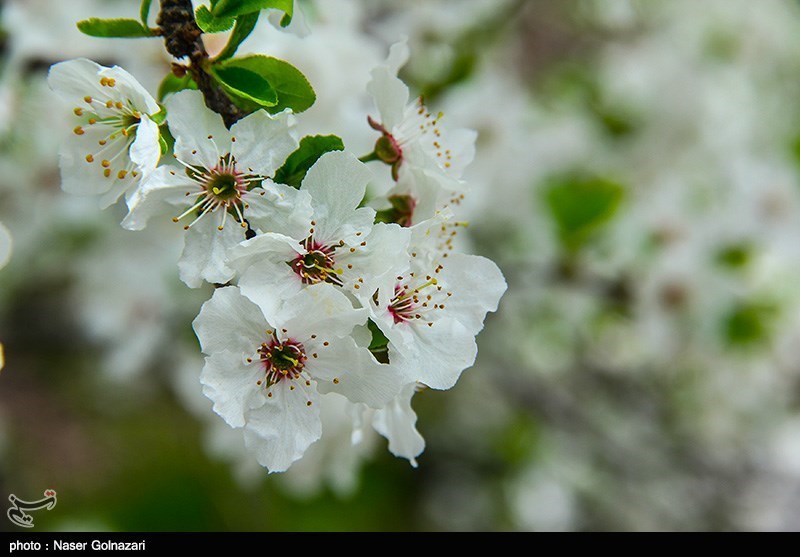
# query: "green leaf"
{"type": "Point", "coordinates": [162, 142]}
{"type": "Point", "coordinates": [144, 11]}
{"type": "Point", "coordinates": [209, 23]}
{"type": "Point", "coordinates": [580, 206]}
{"type": "Point", "coordinates": [749, 323]}
{"type": "Point", "coordinates": [172, 84]}
{"type": "Point", "coordinates": [244, 26]}
{"type": "Point", "coordinates": [126, 28]}
{"type": "Point", "coordinates": [311, 149]}
{"type": "Point", "coordinates": [233, 8]}
{"type": "Point", "coordinates": [245, 84]}
{"type": "Point", "coordinates": [293, 89]}
{"type": "Point", "coordinates": [379, 340]}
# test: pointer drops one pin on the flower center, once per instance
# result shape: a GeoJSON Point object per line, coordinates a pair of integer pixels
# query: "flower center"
{"type": "Point", "coordinates": [282, 359]}
{"type": "Point", "coordinates": [317, 264]}
{"type": "Point", "coordinates": [219, 187]}
{"type": "Point", "coordinates": [408, 303]}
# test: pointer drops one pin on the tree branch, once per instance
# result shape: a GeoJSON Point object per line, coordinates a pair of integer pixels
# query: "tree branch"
{"type": "Point", "coordinates": [183, 38]}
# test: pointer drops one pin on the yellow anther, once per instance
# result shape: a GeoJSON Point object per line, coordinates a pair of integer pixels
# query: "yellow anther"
{"type": "Point", "coordinates": [78, 130]}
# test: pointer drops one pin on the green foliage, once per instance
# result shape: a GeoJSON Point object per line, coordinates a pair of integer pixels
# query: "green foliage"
{"type": "Point", "coordinates": [208, 23]}
{"type": "Point", "coordinates": [735, 256]}
{"type": "Point", "coordinates": [749, 323]}
{"type": "Point", "coordinates": [144, 11]}
{"type": "Point", "coordinates": [379, 340]}
{"type": "Point", "coordinates": [311, 149]}
{"type": "Point", "coordinates": [120, 28]}
{"type": "Point", "coordinates": [234, 8]}
{"type": "Point", "coordinates": [581, 206]}
{"type": "Point", "coordinates": [289, 84]}
{"type": "Point", "coordinates": [244, 26]}
{"type": "Point", "coordinates": [246, 85]}
{"type": "Point", "coordinates": [172, 84]}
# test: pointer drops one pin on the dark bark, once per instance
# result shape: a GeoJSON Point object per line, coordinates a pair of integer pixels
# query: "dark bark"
{"type": "Point", "coordinates": [183, 39]}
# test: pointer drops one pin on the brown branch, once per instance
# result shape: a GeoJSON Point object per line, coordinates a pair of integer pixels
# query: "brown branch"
{"type": "Point", "coordinates": [183, 38]}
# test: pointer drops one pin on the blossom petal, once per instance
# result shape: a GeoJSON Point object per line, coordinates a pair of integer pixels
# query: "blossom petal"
{"type": "Point", "coordinates": [75, 79]}
{"type": "Point", "coordinates": [205, 251]}
{"type": "Point", "coordinates": [262, 142]}
{"type": "Point", "coordinates": [337, 183]}
{"type": "Point", "coordinates": [146, 150]}
{"type": "Point", "coordinates": [127, 88]}
{"type": "Point", "coordinates": [319, 309]}
{"type": "Point", "coordinates": [397, 423]}
{"type": "Point", "coordinates": [229, 321]}
{"type": "Point", "coordinates": [438, 355]}
{"type": "Point", "coordinates": [390, 93]}
{"type": "Point", "coordinates": [191, 123]}
{"type": "Point", "coordinates": [278, 208]}
{"type": "Point", "coordinates": [342, 367]}
{"type": "Point", "coordinates": [281, 430]}
{"type": "Point", "coordinates": [477, 285]}
{"type": "Point", "coordinates": [164, 186]}
{"type": "Point", "coordinates": [230, 383]}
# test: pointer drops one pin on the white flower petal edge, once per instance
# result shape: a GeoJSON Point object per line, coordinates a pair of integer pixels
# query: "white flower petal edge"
{"type": "Point", "coordinates": [115, 142]}
{"type": "Point", "coordinates": [397, 423]}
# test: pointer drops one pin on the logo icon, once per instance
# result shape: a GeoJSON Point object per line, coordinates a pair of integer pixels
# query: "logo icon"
{"type": "Point", "coordinates": [16, 512]}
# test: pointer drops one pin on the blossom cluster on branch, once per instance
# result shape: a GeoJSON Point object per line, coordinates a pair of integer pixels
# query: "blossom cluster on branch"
{"type": "Point", "coordinates": [335, 276]}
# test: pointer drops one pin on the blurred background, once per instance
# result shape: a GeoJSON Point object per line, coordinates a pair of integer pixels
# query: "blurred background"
{"type": "Point", "coordinates": [638, 181]}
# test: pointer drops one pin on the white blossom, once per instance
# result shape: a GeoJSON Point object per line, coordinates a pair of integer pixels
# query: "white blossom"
{"type": "Point", "coordinates": [223, 187]}
{"type": "Point", "coordinates": [115, 142]}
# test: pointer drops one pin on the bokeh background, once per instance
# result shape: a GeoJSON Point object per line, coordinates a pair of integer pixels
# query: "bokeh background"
{"type": "Point", "coordinates": [638, 181]}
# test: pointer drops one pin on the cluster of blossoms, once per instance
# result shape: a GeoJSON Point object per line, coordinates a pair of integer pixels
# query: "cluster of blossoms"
{"type": "Point", "coordinates": [321, 290]}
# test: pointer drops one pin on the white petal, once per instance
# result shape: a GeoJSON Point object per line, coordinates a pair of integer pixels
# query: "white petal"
{"type": "Point", "coordinates": [319, 309]}
{"type": "Point", "coordinates": [164, 189]}
{"type": "Point", "coordinates": [390, 93]}
{"type": "Point", "coordinates": [337, 183]}
{"type": "Point", "coordinates": [146, 150]}
{"type": "Point", "coordinates": [265, 278]}
{"type": "Point", "coordinates": [75, 79]}
{"type": "Point", "coordinates": [342, 367]}
{"type": "Point", "coordinates": [385, 254]}
{"type": "Point", "coordinates": [231, 384]}
{"type": "Point", "coordinates": [279, 208]}
{"type": "Point", "coordinates": [438, 355]}
{"type": "Point", "coordinates": [477, 285]}
{"type": "Point", "coordinates": [397, 422]}
{"type": "Point", "coordinates": [281, 430]}
{"type": "Point", "coordinates": [191, 122]}
{"type": "Point", "coordinates": [229, 321]}
{"type": "Point", "coordinates": [206, 248]}
{"type": "Point", "coordinates": [129, 89]}
{"type": "Point", "coordinates": [263, 142]}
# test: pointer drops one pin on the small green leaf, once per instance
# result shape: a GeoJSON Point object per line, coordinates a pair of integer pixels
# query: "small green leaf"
{"type": "Point", "coordinates": [580, 206]}
{"type": "Point", "coordinates": [144, 11]}
{"type": "Point", "coordinates": [172, 84]}
{"type": "Point", "coordinates": [162, 142]}
{"type": "Point", "coordinates": [209, 23]}
{"type": "Point", "coordinates": [293, 89]}
{"type": "Point", "coordinates": [749, 323]}
{"type": "Point", "coordinates": [244, 84]}
{"type": "Point", "coordinates": [244, 26]}
{"type": "Point", "coordinates": [233, 8]}
{"type": "Point", "coordinates": [126, 28]}
{"type": "Point", "coordinates": [311, 148]}
{"type": "Point", "coordinates": [379, 340]}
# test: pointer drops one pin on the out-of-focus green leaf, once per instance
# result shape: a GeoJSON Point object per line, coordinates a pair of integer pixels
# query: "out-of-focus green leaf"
{"type": "Point", "coordinates": [310, 150]}
{"type": "Point", "coordinates": [379, 340]}
{"type": "Point", "coordinates": [119, 28]}
{"type": "Point", "coordinates": [580, 206]}
{"type": "Point", "coordinates": [172, 84]}
{"type": "Point", "coordinates": [144, 11]}
{"type": "Point", "coordinates": [749, 323]}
